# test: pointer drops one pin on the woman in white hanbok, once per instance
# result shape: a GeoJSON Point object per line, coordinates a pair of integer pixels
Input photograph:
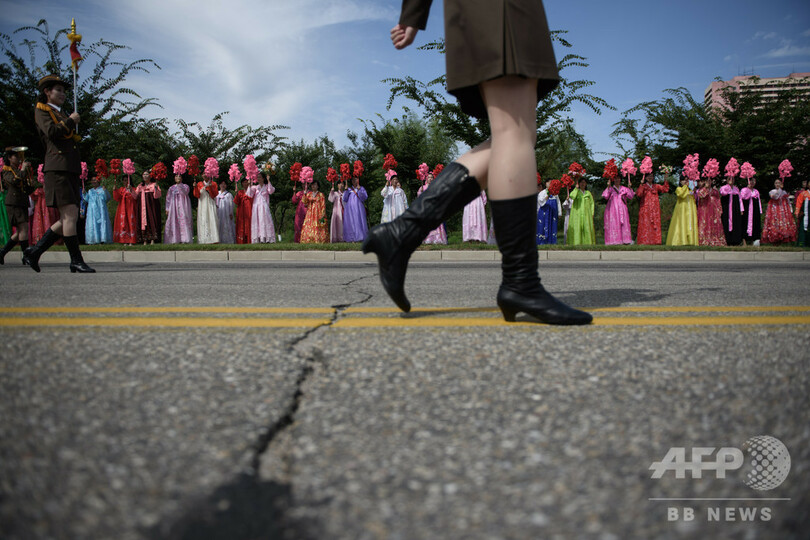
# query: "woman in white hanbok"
{"type": "Point", "coordinates": [227, 229]}
{"type": "Point", "coordinates": [394, 200]}
{"type": "Point", "coordinates": [207, 229]}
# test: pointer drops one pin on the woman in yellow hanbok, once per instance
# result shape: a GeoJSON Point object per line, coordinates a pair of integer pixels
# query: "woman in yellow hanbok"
{"type": "Point", "coordinates": [683, 229]}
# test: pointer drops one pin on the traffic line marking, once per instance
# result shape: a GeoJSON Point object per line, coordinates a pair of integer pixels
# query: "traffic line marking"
{"type": "Point", "coordinates": [413, 320]}
{"type": "Point", "coordinates": [166, 322]}
{"type": "Point", "coordinates": [161, 309]}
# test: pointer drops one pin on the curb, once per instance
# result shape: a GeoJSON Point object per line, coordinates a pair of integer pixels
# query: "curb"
{"type": "Point", "coordinates": [426, 256]}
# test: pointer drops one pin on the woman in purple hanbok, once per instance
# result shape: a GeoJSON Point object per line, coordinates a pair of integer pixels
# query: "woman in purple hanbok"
{"type": "Point", "coordinates": [474, 221]}
{"type": "Point", "coordinates": [224, 202]}
{"type": "Point", "coordinates": [336, 228]}
{"type": "Point", "coordinates": [178, 214]}
{"type": "Point", "coordinates": [355, 226]}
{"type": "Point", "coordinates": [439, 234]}
{"type": "Point", "coordinates": [262, 230]}
{"type": "Point", "coordinates": [617, 218]}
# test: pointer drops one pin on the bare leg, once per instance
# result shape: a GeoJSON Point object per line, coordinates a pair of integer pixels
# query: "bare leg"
{"type": "Point", "coordinates": [511, 106]}
{"type": "Point", "coordinates": [22, 233]}
{"type": "Point", "coordinates": [68, 218]}
{"type": "Point", "coordinates": [477, 162]}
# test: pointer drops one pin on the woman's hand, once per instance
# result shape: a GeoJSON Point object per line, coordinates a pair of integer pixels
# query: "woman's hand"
{"type": "Point", "coordinates": [402, 36]}
{"type": "Point", "coordinates": [75, 117]}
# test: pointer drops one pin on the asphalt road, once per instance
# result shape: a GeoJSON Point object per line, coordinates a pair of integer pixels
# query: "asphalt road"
{"type": "Point", "coordinates": [289, 400]}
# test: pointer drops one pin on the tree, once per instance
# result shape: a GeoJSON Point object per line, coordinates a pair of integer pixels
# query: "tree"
{"type": "Point", "coordinates": [751, 128]}
{"type": "Point", "coordinates": [103, 101]}
{"type": "Point", "coordinates": [553, 109]}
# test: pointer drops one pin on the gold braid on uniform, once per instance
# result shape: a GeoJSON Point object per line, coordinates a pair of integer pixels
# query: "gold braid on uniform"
{"type": "Point", "coordinates": [71, 135]}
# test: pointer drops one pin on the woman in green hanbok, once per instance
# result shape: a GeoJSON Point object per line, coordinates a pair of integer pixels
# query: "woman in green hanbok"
{"type": "Point", "coordinates": [580, 224]}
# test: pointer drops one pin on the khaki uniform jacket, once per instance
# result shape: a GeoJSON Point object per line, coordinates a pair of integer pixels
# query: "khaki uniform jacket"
{"type": "Point", "coordinates": [12, 183]}
{"type": "Point", "coordinates": [61, 151]}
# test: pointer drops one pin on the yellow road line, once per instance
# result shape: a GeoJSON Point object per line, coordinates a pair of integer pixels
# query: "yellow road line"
{"type": "Point", "coordinates": [241, 310]}
{"type": "Point", "coordinates": [698, 309]}
{"type": "Point", "coordinates": [639, 309]}
{"type": "Point", "coordinates": [427, 322]}
{"type": "Point", "coordinates": [164, 322]}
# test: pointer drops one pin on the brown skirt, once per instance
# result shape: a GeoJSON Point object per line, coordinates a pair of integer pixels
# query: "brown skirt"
{"type": "Point", "coordinates": [488, 39]}
{"type": "Point", "coordinates": [62, 188]}
{"type": "Point", "coordinates": [17, 215]}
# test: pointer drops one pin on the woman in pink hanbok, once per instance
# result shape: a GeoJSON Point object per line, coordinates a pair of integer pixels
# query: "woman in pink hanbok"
{"type": "Point", "coordinates": [617, 218]}
{"type": "Point", "coordinates": [179, 229]}
{"type": "Point", "coordinates": [262, 230]}
{"type": "Point", "coordinates": [439, 234]}
{"type": "Point", "coordinates": [336, 198]}
{"type": "Point", "coordinates": [474, 221]}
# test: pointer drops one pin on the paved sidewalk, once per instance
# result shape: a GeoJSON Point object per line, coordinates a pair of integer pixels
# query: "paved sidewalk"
{"type": "Point", "coordinates": [424, 256]}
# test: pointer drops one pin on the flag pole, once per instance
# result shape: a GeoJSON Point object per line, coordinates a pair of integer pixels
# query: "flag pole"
{"type": "Point", "coordinates": [75, 58]}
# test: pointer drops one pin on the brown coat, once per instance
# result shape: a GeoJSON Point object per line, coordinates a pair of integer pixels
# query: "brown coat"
{"type": "Point", "coordinates": [12, 184]}
{"type": "Point", "coordinates": [61, 152]}
{"type": "Point", "coordinates": [488, 39]}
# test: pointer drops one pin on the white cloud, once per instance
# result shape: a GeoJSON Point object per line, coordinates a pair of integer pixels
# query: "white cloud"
{"type": "Point", "coordinates": [787, 50]}
{"type": "Point", "coordinates": [806, 33]}
{"type": "Point", "coordinates": [296, 63]}
{"type": "Point", "coordinates": [765, 35]}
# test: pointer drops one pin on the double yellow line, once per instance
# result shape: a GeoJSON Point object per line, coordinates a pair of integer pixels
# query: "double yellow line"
{"type": "Point", "coordinates": [371, 317]}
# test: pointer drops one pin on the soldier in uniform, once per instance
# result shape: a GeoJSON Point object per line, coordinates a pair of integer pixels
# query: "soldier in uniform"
{"type": "Point", "coordinates": [62, 168]}
{"type": "Point", "coordinates": [16, 201]}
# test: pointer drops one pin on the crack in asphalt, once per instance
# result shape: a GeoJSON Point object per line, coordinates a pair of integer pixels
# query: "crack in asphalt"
{"type": "Point", "coordinates": [311, 360]}
{"type": "Point", "coordinates": [250, 506]}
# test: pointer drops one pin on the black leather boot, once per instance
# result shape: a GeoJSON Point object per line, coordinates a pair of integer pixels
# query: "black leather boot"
{"type": "Point", "coordinates": [31, 255]}
{"type": "Point", "coordinates": [77, 263]}
{"type": "Point", "coordinates": [393, 242]}
{"type": "Point", "coordinates": [5, 249]}
{"type": "Point", "coordinates": [521, 291]}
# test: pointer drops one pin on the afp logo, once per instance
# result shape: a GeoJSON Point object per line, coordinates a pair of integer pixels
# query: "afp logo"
{"type": "Point", "coordinates": [767, 467]}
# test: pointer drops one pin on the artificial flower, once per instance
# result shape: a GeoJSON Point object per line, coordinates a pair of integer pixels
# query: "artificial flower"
{"type": "Point", "coordinates": [180, 165]}
{"type": "Point", "coordinates": [101, 168]}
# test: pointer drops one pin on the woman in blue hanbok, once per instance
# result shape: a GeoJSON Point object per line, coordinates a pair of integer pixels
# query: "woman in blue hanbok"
{"type": "Point", "coordinates": [98, 226]}
{"type": "Point", "coordinates": [548, 211]}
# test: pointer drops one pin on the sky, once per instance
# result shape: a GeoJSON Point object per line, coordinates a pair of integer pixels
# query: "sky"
{"type": "Point", "coordinates": [317, 65]}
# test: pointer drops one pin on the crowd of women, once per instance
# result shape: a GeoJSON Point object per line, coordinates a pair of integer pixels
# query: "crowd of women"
{"type": "Point", "coordinates": [704, 215]}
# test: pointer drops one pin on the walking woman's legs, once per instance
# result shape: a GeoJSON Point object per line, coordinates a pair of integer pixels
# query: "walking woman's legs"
{"type": "Point", "coordinates": [66, 227]}
{"type": "Point", "coordinates": [511, 104]}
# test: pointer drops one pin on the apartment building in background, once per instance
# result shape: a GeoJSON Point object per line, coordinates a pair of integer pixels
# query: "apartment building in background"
{"type": "Point", "coordinates": [766, 87]}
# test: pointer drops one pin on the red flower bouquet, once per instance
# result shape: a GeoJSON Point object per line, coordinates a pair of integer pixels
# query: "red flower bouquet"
{"type": "Point", "coordinates": [193, 165]}
{"type": "Point", "coordinates": [331, 175]}
{"type": "Point", "coordinates": [539, 179]}
{"type": "Point", "coordinates": [567, 181]}
{"type": "Point", "coordinates": [115, 167]}
{"type": "Point", "coordinates": [576, 170]}
{"type": "Point", "coordinates": [611, 170]}
{"type": "Point", "coordinates": [158, 171]}
{"type": "Point", "coordinates": [438, 170]}
{"type": "Point", "coordinates": [345, 173]}
{"type": "Point", "coordinates": [390, 162]}
{"type": "Point", "coordinates": [358, 169]}
{"type": "Point", "coordinates": [101, 168]}
{"type": "Point", "coordinates": [554, 187]}
{"type": "Point", "coordinates": [295, 172]}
